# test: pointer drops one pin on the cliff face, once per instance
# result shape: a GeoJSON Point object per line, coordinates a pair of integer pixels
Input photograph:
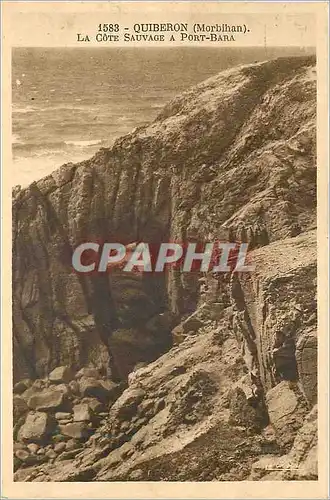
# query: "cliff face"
{"type": "Point", "coordinates": [238, 147]}
{"type": "Point", "coordinates": [234, 157]}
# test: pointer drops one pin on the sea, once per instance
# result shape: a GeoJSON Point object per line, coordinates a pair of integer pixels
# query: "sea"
{"type": "Point", "coordinates": [69, 102]}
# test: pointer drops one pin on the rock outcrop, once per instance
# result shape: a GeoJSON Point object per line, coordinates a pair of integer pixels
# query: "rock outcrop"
{"type": "Point", "coordinates": [233, 158]}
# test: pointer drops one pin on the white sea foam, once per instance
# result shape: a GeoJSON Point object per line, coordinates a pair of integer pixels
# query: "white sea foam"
{"type": "Point", "coordinates": [28, 109]}
{"type": "Point", "coordinates": [31, 109]}
{"type": "Point", "coordinates": [83, 144]}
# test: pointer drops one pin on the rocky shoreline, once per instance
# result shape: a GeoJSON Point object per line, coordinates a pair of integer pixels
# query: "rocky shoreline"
{"type": "Point", "coordinates": [188, 376]}
{"type": "Point", "coordinates": [53, 417]}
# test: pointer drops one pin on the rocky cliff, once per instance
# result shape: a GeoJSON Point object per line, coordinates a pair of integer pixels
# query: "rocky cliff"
{"type": "Point", "coordinates": [234, 398]}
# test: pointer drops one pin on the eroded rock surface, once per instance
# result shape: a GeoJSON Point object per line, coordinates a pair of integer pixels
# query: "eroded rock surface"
{"type": "Point", "coordinates": [232, 158]}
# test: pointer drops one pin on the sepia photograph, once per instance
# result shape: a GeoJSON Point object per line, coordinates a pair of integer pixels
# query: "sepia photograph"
{"type": "Point", "coordinates": [126, 375]}
{"type": "Point", "coordinates": [164, 272]}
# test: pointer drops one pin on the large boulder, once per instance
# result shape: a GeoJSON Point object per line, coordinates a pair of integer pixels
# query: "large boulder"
{"type": "Point", "coordinates": [77, 430]}
{"type": "Point", "coordinates": [287, 409]}
{"type": "Point", "coordinates": [48, 400]}
{"type": "Point", "coordinates": [127, 404]}
{"type": "Point", "coordinates": [103, 390]}
{"type": "Point", "coordinates": [37, 427]}
{"type": "Point", "coordinates": [94, 405]}
{"type": "Point", "coordinates": [81, 413]}
{"type": "Point", "coordinates": [113, 390]}
{"type": "Point", "coordinates": [61, 374]}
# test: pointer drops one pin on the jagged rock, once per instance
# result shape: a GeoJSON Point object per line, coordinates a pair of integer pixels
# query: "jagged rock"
{"type": "Point", "coordinates": [287, 410]}
{"type": "Point", "coordinates": [37, 427]}
{"type": "Point", "coordinates": [113, 389]}
{"type": "Point", "coordinates": [90, 387]}
{"type": "Point", "coordinates": [248, 139]}
{"type": "Point", "coordinates": [22, 385]}
{"type": "Point", "coordinates": [102, 390]}
{"type": "Point", "coordinates": [224, 155]}
{"type": "Point", "coordinates": [77, 430]}
{"type": "Point", "coordinates": [95, 406]}
{"type": "Point", "coordinates": [61, 374]}
{"type": "Point", "coordinates": [128, 402]}
{"type": "Point", "coordinates": [189, 325]}
{"type": "Point", "coordinates": [48, 400]}
{"type": "Point", "coordinates": [88, 372]}
{"type": "Point", "coordinates": [204, 315]}
{"type": "Point", "coordinates": [125, 426]}
{"type": "Point", "coordinates": [81, 413]}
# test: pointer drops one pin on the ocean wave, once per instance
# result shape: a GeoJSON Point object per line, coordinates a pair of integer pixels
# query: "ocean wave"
{"type": "Point", "coordinates": [83, 144]}
{"type": "Point", "coordinates": [51, 146]}
{"type": "Point", "coordinates": [28, 109]}
{"type": "Point", "coordinates": [32, 109]}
